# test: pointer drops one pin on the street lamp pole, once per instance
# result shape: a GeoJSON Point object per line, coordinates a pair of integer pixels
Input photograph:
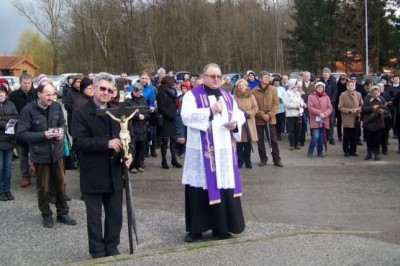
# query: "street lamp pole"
{"type": "Point", "coordinates": [366, 38]}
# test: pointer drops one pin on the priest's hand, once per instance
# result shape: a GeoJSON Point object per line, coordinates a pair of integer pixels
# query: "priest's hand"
{"type": "Point", "coordinates": [230, 126]}
{"type": "Point", "coordinates": [217, 107]}
{"type": "Point", "coordinates": [115, 144]}
{"type": "Point", "coordinates": [128, 160]}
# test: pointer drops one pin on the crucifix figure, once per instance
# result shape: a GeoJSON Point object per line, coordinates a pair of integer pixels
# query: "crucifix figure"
{"type": "Point", "coordinates": [123, 114]}
{"type": "Point", "coordinates": [124, 134]}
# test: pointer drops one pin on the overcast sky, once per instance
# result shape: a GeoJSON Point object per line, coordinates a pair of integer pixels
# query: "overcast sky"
{"type": "Point", "coordinates": [11, 25]}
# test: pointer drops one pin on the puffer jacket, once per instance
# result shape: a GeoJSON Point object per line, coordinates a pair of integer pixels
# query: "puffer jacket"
{"type": "Point", "coordinates": [33, 122]}
{"type": "Point", "coordinates": [7, 111]}
{"type": "Point", "coordinates": [292, 99]}
{"type": "Point", "coordinates": [138, 129]}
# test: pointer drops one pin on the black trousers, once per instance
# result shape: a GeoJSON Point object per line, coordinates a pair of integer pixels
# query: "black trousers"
{"type": "Point", "coordinates": [350, 140]}
{"type": "Point", "coordinates": [261, 130]}
{"type": "Point", "coordinates": [243, 150]}
{"type": "Point", "coordinates": [373, 139]}
{"type": "Point", "coordinates": [294, 129]}
{"type": "Point", "coordinates": [103, 245]}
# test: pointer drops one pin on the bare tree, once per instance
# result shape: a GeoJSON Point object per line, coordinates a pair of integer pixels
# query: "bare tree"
{"type": "Point", "coordinates": [46, 16]}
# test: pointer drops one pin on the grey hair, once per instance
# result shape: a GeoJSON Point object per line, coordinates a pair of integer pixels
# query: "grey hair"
{"type": "Point", "coordinates": [160, 70]}
{"type": "Point", "coordinates": [262, 74]}
{"type": "Point", "coordinates": [103, 76]}
{"type": "Point", "coordinates": [210, 65]}
{"type": "Point", "coordinates": [375, 88]}
{"type": "Point", "coordinates": [380, 85]}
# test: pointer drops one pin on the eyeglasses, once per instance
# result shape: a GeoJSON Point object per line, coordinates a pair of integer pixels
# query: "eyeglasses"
{"type": "Point", "coordinates": [109, 90]}
{"type": "Point", "coordinates": [214, 76]}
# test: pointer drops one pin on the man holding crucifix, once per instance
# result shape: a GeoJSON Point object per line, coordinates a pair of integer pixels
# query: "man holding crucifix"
{"type": "Point", "coordinates": [96, 138]}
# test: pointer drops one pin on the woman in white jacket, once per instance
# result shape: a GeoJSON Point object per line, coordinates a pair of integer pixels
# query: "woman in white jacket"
{"type": "Point", "coordinates": [294, 107]}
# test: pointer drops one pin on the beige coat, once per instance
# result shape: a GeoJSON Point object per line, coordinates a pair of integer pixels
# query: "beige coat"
{"type": "Point", "coordinates": [267, 101]}
{"type": "Point", "coordinates": [248, 104]}
{"type": "Point", "coordinates": [348, 101]}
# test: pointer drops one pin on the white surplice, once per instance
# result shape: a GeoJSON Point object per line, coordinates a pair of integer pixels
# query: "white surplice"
{"type": "Point", "coordinates": [197, 120]}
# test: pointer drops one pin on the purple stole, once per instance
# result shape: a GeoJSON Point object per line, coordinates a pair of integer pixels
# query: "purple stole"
{"type": "Point", "coordinates": [207, 144]}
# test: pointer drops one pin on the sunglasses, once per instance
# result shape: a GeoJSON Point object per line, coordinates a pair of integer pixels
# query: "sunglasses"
{"type": "Point", "coordinates": [104, 89]}
{"type": "Point", "coordinates": [214, 76]}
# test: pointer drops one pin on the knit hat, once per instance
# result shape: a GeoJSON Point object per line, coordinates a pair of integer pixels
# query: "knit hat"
{"type": "Point", "coordinates": [353, 75]}
{"type": "Point", "coordinates": [291, 83]}
{"type": "Point", "coordinates": [85, 82]}
{"type": "Point", "coordinates": [137, 86]}
{"type": "Point", "coordinates": [4, 81]}
{"type": "Point", "coordinates": [250, 72]}
{"type": "Point", "coordinates": [42, 78]}
{"type": "Point", "coordinates": [326, 70]}
{"type": "Point", "coordinates": [320, 84]}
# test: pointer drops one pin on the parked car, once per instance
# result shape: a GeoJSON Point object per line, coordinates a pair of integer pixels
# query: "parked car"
{"type": "Point", "coordinates": [234, 77]}
{"type": "Point", "coordinates": [179, 75]}
{"type": "Point", "coordinates": [11, 80]}
{"type": "Point", "coordinates": [275, 75]}
{"type": "Point", "coordinates": [60, 81]}
{"type": "Point", "coordinates": [295, 75]}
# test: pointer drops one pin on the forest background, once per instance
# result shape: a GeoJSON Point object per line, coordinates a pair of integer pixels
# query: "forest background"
{"type": "Point", "coordinates": [273, 35]}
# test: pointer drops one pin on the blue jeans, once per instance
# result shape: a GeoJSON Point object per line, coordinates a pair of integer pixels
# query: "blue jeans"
{"type": "Point", "coordinates": [5, 170]}
{"type": "Point", "coordinates": [316, 140]}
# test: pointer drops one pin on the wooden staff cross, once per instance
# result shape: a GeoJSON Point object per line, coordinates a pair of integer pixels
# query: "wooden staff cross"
{"type": "Point", "coordinates": [121, 113]}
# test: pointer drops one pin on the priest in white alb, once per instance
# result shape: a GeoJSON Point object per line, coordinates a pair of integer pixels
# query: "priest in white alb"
{"type": "Point", "coordinates": [211, 173]}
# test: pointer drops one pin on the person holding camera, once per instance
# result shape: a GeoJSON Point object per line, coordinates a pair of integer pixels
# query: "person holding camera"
{"type": "Point", "coordinates": [42, 125]}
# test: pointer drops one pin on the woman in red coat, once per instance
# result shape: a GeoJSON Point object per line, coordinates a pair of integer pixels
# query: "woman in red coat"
{"type": "Point", "coordinates": [319, 109]}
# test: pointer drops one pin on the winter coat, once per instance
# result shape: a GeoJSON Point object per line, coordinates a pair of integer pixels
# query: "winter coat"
{"type": "Point", "coordinates": [70, 96]}
{"type": "Point", "coordinates": [331, 88]}
{"type": "Point", "coordinates": [80, 101]}
{"type": "Point", "coordinates": [267, 101]}
{"type": "Point", "coordinates": [347, 101]}
{"type": "Point", "coordinates": [248, 104]}
{"type": "Point", "coordinates": [294, 104]}
{"type": "Point", "coordinates": [7, 111]}
{"type": "Point", "coordinates": [316, 106]}
{"type": "Point", "coordinates": [33, 122]}
{"type": "Point", "coordinates": [100, 167]}
{"type": "Point", "coordinates": [367, 111]}
{"type": "Point", "coordinates": [21, 99]}
{"type": "Point", "coordinates": [166, 104]}
{"type": "Point", "coordinates": [138, 127]}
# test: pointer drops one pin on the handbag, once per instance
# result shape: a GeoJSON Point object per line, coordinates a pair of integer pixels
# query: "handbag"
{"type": "Point", "coordinates": [70, 158]}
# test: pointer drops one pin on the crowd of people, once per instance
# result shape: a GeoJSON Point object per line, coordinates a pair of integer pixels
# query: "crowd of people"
{"type": "Point", "coordinates": [209, 121]}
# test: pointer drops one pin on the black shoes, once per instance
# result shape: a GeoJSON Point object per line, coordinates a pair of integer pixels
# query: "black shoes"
{"type": "Point", "coordinates": [346, 154]}
{"type": "Point", "coordinates": [153, 154]}
{"type": "Point", "coordinates": [221, 236]}
{"type": "Point", "coordinates": [65, 219]}
{"type": "Point", "coordinates": [176, 164]}
{"type": "Point", "coordinates": [48, 222]}
{"type": "Point", "coordinates": [279, 164]}
{"type": "Point", "coordinates": [353, 154]}
{"type": "Point", "coordinates": [164, 165]}
{"type": "Point", "coordinates": [377, 157]}
{"type": "Point", "coordinates": [248, 165]}
{"type": "Point", "coordinates": [3, 196]}
{"type": "Point", "coordinates": [190, 237]}
{"type": "Point", "coordinates": [332, 142]}
{"type": "Point", "coordinates": [368, 156]}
